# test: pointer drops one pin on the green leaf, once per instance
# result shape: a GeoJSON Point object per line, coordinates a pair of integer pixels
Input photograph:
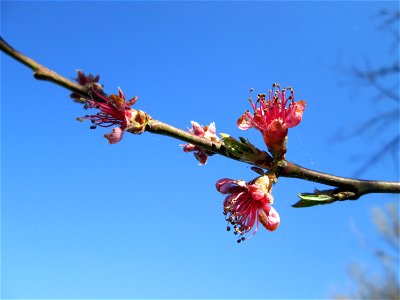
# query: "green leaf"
{"type": "Point", "coordinates": [307, 200]}
{"type": "Point", "coordinates": [234, 146]}
{"type": "Point", "coordinates": [244, 150]}
{"type": "Point", "coordinates": [314, 197]}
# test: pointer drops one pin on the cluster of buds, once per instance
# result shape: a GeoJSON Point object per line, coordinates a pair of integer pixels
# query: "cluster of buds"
{"type": "Point", "coordinates": [206, 132]}
{"type": "Point", "coordinates": [247, 204]}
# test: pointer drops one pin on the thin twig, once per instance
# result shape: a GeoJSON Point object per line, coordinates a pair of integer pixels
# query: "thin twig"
{"type": "Point", "coordinates": [41, 72]}
{"type": "Point", "coordinates": [346, 188]}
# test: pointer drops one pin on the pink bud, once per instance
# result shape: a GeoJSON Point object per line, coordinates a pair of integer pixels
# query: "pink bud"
{"type": "Point", "coordinates": [115, 136]}
{"type": "Point", "coordinates": [269, 217]}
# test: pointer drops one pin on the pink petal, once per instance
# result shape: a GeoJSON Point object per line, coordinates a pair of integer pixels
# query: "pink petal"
{"type": "Point", "coordinates": [244, 122]}
{"type": "Point", "coordinates": [189, 147]}
{"type": "Point", "coordinates": [201, 157]}
{"type": "Point", "coordinates": [230, 186]}
{"type": "Point", "coordinates": [197, 129]}
{"type": "Point", "coordinates": [222, 182]}
{"type": "Point", "coordinates": [132, 101]}
{"type": "Point", "coordinates": [115, 136]}
{"type": "Point", "coordinates": [256, 192]}
{"type": "Point", "coordinates": [121, 93]}
{"type": "Point", "coordinates": [295, 114]}
{"type": "Point", "coordinates": [211, 128]}
{"type": "Point", "coordinates": [269, 217]}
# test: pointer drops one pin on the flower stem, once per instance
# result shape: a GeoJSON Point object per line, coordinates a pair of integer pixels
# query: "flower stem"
{"type": "Point", "coordinates": [346, 188]}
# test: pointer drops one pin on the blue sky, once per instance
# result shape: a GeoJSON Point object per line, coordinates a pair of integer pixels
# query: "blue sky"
{"type": "Point", "coordinates": [140, 219]}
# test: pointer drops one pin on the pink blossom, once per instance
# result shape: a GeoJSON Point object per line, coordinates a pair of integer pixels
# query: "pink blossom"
{"type": "Point", "coordinates": [273, 117]}
{"type": "Point", "coordinates": [114, 110]}
{"type": "Point", "coordinates": [247, 204]}
{"type": "Point", "coordinates": [207, 132]}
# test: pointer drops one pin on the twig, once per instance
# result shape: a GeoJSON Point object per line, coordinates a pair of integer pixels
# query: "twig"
{"type": "Point", "coordinates": [346, 188]}
{"type": "Point", "coordinates": [41, 72]}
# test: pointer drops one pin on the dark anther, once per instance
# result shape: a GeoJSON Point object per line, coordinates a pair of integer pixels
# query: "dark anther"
{"type": "Point", "coordinates": [243, 238]}
{"type": "Point", "coordinates": [238, 241]}
{"type": "Point", "coordinates": [93, 127]}
{"type": "Point", "coordinates": [228, 228]}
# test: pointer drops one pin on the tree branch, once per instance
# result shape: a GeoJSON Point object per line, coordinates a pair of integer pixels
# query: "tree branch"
{"type": "Point", "coordinates": [41, 72]}
{"type": "Point", "coordinates": [346, 188]}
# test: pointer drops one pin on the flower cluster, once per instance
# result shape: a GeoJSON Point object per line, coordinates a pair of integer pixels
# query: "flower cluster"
{"type": "Point", "coordinates": [273, 117]}
{"type": "Point", "coordinates": [206, 132]}
{"type": "Point", "coordinates": [247, 204]}
{"type": "Point", "coordinates": [115, 110]}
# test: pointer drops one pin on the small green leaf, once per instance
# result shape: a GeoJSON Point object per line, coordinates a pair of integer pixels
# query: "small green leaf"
{"type": "Point", "coordinates": [314, 197]}
{"type": "Point", "coordinates": [308, 200]}
{"type": "Point", "coordinates": [244, 150]}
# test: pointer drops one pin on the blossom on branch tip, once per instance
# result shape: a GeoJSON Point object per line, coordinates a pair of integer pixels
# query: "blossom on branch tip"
{"type": "Point", "coordinates": [115, 110]}
{"type": "Point", "coordinates": [206, 132]}
{"type": "Point", "coordinates": [273, 117]}
{"type": "Point", "coordinates": [89, 81]}
{"type": "Point", "coordinates": [247, 204]}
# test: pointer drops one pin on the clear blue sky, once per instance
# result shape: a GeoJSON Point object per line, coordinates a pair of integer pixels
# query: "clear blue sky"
{"type": "Point", "coordinates": [140, 219]}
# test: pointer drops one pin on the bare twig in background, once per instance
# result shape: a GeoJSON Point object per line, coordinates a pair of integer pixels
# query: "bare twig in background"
{"type": "Point", "coordinates": [384, 79]}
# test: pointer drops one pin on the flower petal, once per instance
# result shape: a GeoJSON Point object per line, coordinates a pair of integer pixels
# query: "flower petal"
{"type": "Point", "coordinates": [256, 192]}
{"type": "Point", "coordinates": [132, 101]}
{"type": "Point", "coordinates": [197, 129]}
{"type": "Point", "coordinates": [115, 136]}
{"type": "Point", "coordinates": [295, 114]}
{"type": "Point", "coordinates": [189, 147]}
{"type": "Point", "coordinates": [269, 217]}
{"type": "Point", "coordinates": [244, 122]}
{"type": "Point", "coordinates": [230, 186]}
{"type": "Point", "coordinates": [201, 157]}
{"type": "Point", "coordinates": [211, 128]}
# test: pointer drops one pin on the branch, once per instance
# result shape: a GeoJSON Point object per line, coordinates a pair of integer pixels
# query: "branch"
{"type": "Point", "coordinates": [345, 188]}
{"type": "Point", "coordinates": [41, 72]}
